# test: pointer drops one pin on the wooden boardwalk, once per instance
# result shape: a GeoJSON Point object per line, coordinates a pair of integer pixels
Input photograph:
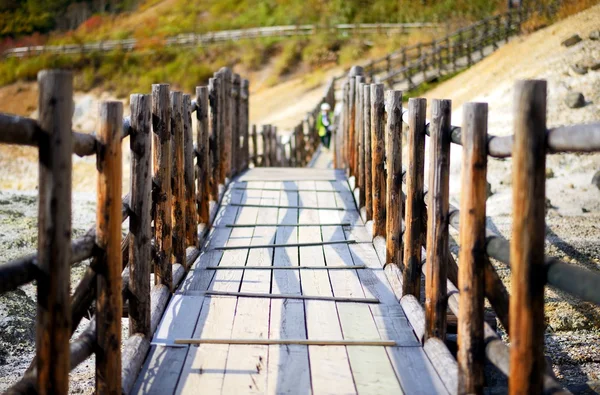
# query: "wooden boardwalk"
{"type": "Point", "coordinates": [287, 207]}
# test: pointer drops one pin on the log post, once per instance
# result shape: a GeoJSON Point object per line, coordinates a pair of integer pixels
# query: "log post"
{"type": "Point", "coordinates": [236, 158]}
{"type": "Point", "coordinates": [393, 104]}
{"type": "Point", "coordinates": [204, 173]}
{"type": "Point", "coordinates": [191, 208]}
{"type": "Point", "coordinates": [351, 123]}
{"type": "Point", "coordinates": [527, 362]}
{"type": "Point", "coordinates": [367, 153]}
{"type": "Point", "coordinates": [360, 147]}
{"type": "Point", "coordinates": [344, 135]}
{"type": "Point", "coordinates": [140, 217]}
{"type": "Point", "coordinates": [438, 205]}
{"type": "Point", "coordinates": [226, 126]}
{"type": "Point", "coordinates": [358, 125]}
{"type": "Point", "coordinates": [255, 161]}
{"type": "Point", "coordinates": [378, 158]}
{"type": "Point", "coordinates": [273, 145]}
{"type": "Point", "coordinates": [471, 266]}
{"type": "Point", "coordinates": [411, 276]}
{"type": "Point", "coordinates": [109, 304]}
{"type": "Point", "coordinates": [54, 232]}
{"type": "Point", "coordinates": [214, 89]}
{"type": "Point", "coordinates": [177, 180]}
{"type": "Point", "coordinates": [244, 123]}
{"type": "Point", "coordinates": [161, 126]}
{"type": "Point", "coordinates": [265, 144]}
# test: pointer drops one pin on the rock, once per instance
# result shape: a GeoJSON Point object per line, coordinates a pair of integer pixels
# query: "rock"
{"type": "Point", "coordinates": [596, 179]}
{"type": "Point", "coordinates": [595, 66]}
{"type": "Point", "coordinates": [489, 190]}
{"type": "Point", "coordinates": [595, 35]}
{"type": "Point", "coordinates": [574, 39]}
{"type": "Point", "coordinates": [579, 69]}
{"type": "Point", "coordinates": [549, 173]}
{"type": "Point", "coordinates": [575, 100]}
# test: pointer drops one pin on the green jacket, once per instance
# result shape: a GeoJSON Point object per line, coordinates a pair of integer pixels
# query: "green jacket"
{"type": "Point", "coordinates": [321, 126]}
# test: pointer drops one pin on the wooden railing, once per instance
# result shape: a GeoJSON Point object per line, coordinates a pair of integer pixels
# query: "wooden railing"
{"type": "Point", "coordinates": [180, 195]}
{"type": "Point", "coordinates": [410, 223]}
{"type": "Point", "coordinates": [194, 39]}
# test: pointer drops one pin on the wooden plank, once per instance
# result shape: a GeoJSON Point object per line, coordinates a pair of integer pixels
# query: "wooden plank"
{"type": "Point", "coordinates": [415, 371]}
{"type": "Point", "coordinates": [371, 367]}
{"type": "Point", "coordinates": [291, 174]}
{"type": "Point", "coordinates": [302, 342]}
{"type": "Point", "coordinates": [330, 369]}
{"type": "Point", "coordinates": [309, 267]}
{"type": "Point", "coordinates": [158, 375]}
{"type": "Point", "coordinates": [179, 319]}
{"type": "Point", "coordinates": [288, 368]}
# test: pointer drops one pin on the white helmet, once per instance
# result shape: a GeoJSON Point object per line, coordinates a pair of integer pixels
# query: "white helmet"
{"type": "Point", "coordinates": [325, 107]}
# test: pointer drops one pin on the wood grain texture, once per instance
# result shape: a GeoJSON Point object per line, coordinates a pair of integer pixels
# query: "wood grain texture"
{"type": "Point", "coordinates": [227, 125]}
{"type": "Point", "coordinates": [140, 217]}
{"type": "Point", "coordinates": [378, 159]}
{"type": "Point", "coordinates": [393, 237]}
{"type": "Point", "coordinates": [205, 178]}
{"type": "Point", "coordinates": [245, 123]}
{"type": "Point", "coordinates": [351, 125]}
{"type": "Point", "coordinates": [359, 140]}
{"type": "Point", "coordinates": [437, 220]}
{"type": "Point", "coordinates": [471, 352]}
{"type": "Point", "coordinates": [527, 245]}
{"type": "Point", "coordinates": [360, 79]}
{"type": "Point", "coordinates": [109, 304]}
{"type": "Point", "coordinates": [368, 200]}
{"type": "Point", "coordinates": [161, 126]}
{"type": "Point", "coordinates": [254, 137]}
{"type": "Point", "coordinates": [177, 179]}
{"type": "Point", "coordinates": [414, 207]}
{"type": "Point", "coordinates": [265, 162]}
{"type": "Point", "coordinates": [214, 89]}
{"type": "Point", "coordinates": [54, 232]}
{"type": "Point", "coordinates": [189, 174]}
{"type": "Point", "coordinates": [236, 154]}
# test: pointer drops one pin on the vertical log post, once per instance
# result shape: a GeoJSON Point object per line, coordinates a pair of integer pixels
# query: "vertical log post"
{"type": "Point", "coordinates": [202, 133]}
{"type": "Point", "coordinates": [191, 208]}
{"type": "Point", "coordinates": [471, 354]}
{"type": "Point", "coordinates": [226, 116]}
{"type": "Point", "coordinates": [255, 160]}
{"type": "Point", "coordinates": [161, 126]}
{"type": "Point", "coordinates": [109, 304]}
{"type": "Point", "coordinates": [244, 123]}
{"type": "Point", "coordinates": [265, 144]}
{"type": "Point", "coordinates": [358, 125]}
{"type": "Point", "coordinates": [177, 179]}
{"type": "Point", "coordinates": [411, 276]}
{"type": "Point", "coordinates": [54, 232]}
{"type": "Point", "coordinates": [378, 158]}
{"type": "Point", "coordinates": [438, 205]}
{"type": "Point", "coordinates": [273, 145]}
{"type": "Point", "coordinates": [344, 136]}
{"type": "Point", "coordinates": [527, 244]}
{"type": "Point", "coordinates": [140, 229]}
{"type": "Point", "coordinates": [393, 104]}
{"type": "Point", "coordinates": [214, 88]}
{"type": "Point", "coordinates": [360, 132]}
{"type": "Point", "coordinates": [236, 112]}
{"type": "Point", "coordinates": [368, 152]}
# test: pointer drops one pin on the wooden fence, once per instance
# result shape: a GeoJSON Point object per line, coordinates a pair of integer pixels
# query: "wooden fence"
{"type": "Point", "coordinates": [193, 39]}
{"type": "Point", "coordinates": [410, 225]}
{"type": "Point", "coordinates": [180, 195]}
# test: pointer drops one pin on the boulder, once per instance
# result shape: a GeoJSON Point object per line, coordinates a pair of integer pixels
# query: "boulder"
{"type": "Point", "coordinates": [595, 35]}
{"type": "Point", "coordinates": [569, 42]}
{"type": "Point", "coordinates": [579, 69]}
{"type": "Point", "coordinates": [595, 66]}
{"type": "Point", "coordinates": [575, 100]}
{"type": "Point", "coordinates": [596, 179]}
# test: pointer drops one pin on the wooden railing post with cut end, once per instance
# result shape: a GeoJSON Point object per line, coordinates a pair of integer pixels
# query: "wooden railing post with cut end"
{"type": "Point", "coordinates": [358, 126]}
{"type": "Point", "coordinates": [244, 123]}
{"type": "Point", "coordinates": [226, 126]}
{"type": "Point", "coordinates": [368, 152]}
{"type": "Point", "coordinates": [177, 179]}
{"type": "Point", "coordinates": [345, 135]}
{"type": "Point", "coordinates": [189, 171]}
{"type": "Point", "coordinates": [54, 232]}
{"type": "Point", "coordinates": [437, 220]}
{"type": "Point", "coordinates": [393, 104]}
{"type": "Point", "coordinates": [254, 137]}
{"type": "Point", "coordinates": [161, 126]}
{"type": "Point", "coordinates": [378, 159]}
{"type": "Point", "coordinates": [214, 92]}
{"type": "Point", "coordinates": [411, 276]}
{"type": "Point", "coordinates": [140, 249]}
{"type": "Point", "coordinates": [360, 132]}
{"type": "Point", "coordinates": [527, 244]}
{"type": "Point", "coordinates": [236, 157]}
{"type": "Point", "coordinates": [109, 303]}
{"type": "Point", "coordinates": [205, 175]}
{"type": "Point", "coordinates": [471, 352]}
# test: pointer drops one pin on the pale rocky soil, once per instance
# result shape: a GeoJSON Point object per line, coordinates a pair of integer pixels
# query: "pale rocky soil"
{"type": "Point", "coordinates": [573, 218]}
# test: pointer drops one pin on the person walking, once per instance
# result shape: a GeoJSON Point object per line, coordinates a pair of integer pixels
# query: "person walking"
{"type": "Point", "coordinates": [324, 124]}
